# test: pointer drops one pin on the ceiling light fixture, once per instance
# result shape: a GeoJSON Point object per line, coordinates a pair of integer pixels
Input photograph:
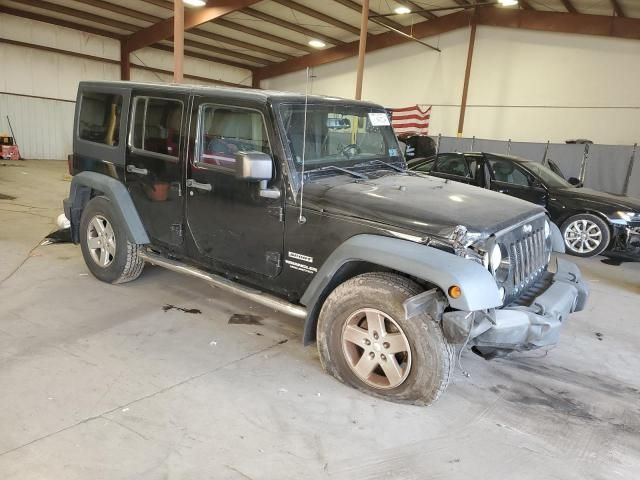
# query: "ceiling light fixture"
{"type": "Point", "coordinates": [402, 10]}
{"type": "Point", "coordinates": [195, 3]}
{"type": "Point", "coordinates": [317, 43]}
{"type": "Point", "coordinates": [508, 3]}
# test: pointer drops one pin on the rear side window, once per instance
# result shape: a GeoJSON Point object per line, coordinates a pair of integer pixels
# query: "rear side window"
{"type": "Point", "coordinates": [225, 131]}
{"type": "Point", "coordinates": [155, 125]}
{"type": "Point", "coordinates": [99, 119]}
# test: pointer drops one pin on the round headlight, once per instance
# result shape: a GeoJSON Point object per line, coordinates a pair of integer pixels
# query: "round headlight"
{"type": "Point", "coordinates": [547, 229]}
{"type": "Point", "coordinates": [495, 257]}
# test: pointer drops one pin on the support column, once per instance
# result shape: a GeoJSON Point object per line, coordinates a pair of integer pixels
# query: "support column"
{"type": "Point", "coordinates": [125, 63]}
{"type": "Point", "coordinates": [467, 75]}
{"type": "Point", "coordinates": [178, 41]}
{"type": "Point", "coordinates": [364, 26]}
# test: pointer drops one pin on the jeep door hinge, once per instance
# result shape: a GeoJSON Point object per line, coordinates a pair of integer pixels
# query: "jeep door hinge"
{"type": "Point", "coordinates": [274, 262]}
{"type": "Point", "coordinates": [177, 229]}
{"type": "Point", "coordinates": [276, 212]}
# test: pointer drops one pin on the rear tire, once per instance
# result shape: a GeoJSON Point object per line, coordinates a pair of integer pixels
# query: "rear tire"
{"type": "Point", "coordinates": [106, 249]}
{"type": "Point", "coordinates": [365, 341]}
{"type": "Point", "coordinates": [585, 235]}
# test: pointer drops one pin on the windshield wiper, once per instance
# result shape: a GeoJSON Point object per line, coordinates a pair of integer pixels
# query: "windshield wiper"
{"type": "Point", "coordinates": [335, 167]}
{"type": "Point", "coordinates": [390, 165]}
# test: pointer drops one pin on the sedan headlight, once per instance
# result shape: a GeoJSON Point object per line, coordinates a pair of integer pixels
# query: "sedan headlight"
{"type": "Point", "coordinates": [547, 229]}
{"type": "Point", "coordinates": [629, 216]}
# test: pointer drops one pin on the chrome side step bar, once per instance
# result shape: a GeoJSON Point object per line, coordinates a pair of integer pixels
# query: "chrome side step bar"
{"type": "Point", "coordinates": [247, 292]}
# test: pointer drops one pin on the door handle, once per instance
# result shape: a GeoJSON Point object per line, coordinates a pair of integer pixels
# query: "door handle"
{"type": "Point", "coordinates": [139, 171]}
{"type": "Point", "coordinates": [191, 183]}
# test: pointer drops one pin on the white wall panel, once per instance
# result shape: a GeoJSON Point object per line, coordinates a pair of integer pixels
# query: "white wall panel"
{"type": "Point", "coordinates": [525, 85]}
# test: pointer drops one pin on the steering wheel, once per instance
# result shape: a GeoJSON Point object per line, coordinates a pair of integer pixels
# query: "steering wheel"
{"type": "Point", "coordinates": [351, 150]}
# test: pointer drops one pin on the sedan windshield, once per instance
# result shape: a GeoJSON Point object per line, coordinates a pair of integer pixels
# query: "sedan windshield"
{"type": "Point", "coordinates": [548, 176]}
{"type": "Point", "coordinates": [339, 136]}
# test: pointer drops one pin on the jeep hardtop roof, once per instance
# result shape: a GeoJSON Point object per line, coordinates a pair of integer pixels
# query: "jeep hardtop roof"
{"type": "Point", "coordinates": [257, 95]}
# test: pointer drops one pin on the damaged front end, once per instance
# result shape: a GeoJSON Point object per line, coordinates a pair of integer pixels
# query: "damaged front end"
{"type": "Point", "coordinates": [537, 294]}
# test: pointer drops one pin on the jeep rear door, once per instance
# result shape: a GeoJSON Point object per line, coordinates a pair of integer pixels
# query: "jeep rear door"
{"type": "Point", "coordinates": [154, 163]}
{"type": "Point", "coordinates": [230, 226]}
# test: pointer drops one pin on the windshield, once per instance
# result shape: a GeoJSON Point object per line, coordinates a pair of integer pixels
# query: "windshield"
{"type": "Point", "coordinates": [547, 176]}
{"type": "Point", "coordinates": [339, 135]}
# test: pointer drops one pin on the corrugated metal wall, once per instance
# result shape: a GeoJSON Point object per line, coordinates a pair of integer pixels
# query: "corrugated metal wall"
{"type": "Point", "coordinates": [42, 127]}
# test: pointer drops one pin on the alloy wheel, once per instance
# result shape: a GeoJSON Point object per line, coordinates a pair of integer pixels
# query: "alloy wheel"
{"type": "Point", "coordinates": [376, 349]}
{"type": "Point", "coordinates": [583, 236]}
{"type": "Point", "coordinates": [101, 241]}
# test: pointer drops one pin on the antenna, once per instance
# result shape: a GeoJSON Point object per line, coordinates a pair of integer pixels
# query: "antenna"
{"type": "Point", "coordinates": [301, 219]}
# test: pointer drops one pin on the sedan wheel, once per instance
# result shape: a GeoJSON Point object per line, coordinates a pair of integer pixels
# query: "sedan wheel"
{"type": "Point", "coordinates": [585, 235]}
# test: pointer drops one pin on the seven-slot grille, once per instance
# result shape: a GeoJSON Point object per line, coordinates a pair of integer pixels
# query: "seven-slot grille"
{"type": "Point", "coordinates": [528, 258]}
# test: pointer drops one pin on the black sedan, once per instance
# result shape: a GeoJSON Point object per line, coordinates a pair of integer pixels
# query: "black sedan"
{"type": "Point", "coordinates": [591, 221]}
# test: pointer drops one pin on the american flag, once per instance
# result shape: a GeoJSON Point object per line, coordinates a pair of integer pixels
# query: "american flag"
{"type": "Point", "coordinates": [411, 120]}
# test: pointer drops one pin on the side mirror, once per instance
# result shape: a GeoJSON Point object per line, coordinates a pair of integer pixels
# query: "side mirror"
{"type": "Point", "coordinates": [257, 167]}
{"type": "Point", "coordinates": [575, 182]}
{"type": "Point", "coordinates": [254, 166]}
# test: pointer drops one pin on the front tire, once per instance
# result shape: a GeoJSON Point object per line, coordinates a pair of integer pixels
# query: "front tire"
{"type": "Point", "coordinates": [585, 235]}
{"type": "Point", "coordinates": [106, 249]}
{"type": "Point", "coordinates": [365, 341]}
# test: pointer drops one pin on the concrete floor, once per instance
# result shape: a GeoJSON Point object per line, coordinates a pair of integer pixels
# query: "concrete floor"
{"type": "Point", "coordinates": [99, 382]}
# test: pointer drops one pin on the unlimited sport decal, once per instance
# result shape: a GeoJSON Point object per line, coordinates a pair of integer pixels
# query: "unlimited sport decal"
{"type": "Point", "coordinates": [302, 267]}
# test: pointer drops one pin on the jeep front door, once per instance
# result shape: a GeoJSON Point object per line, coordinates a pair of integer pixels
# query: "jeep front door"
{"type": "Point", "coordinates": [231, 225]}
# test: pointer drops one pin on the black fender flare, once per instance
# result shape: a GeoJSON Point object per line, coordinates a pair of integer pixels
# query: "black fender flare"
{"type": "Point", "coordinates": [432, 265]}
{"type": "Point", "coordinates": [116, 192]}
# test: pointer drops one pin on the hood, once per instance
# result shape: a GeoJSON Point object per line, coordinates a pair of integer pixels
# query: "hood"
{"type": "Point", "coordinates": [428, 205]}
{"type": "Point", "coordinates": [621, 202]}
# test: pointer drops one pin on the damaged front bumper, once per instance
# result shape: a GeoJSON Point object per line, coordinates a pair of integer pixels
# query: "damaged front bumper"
{"type": "Point", "coordinates": [532, 324]}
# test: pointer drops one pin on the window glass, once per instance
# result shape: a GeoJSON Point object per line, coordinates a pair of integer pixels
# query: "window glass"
{"type": "Point", "coordinates": [338, 135]}
{"type": "Point", "coordinates": [453, 164]}
{"type": "Point", "coordinates": [156, 125]}
{"type": "Point", "coordinates": [425, 166]}
{"type": "Point", "coordinates": [226, 131]}
{"type": "Point", "coordinates": [100, 118]}
{"type": "Point", "coordinates": [506, 171]}
{"type": "Point", "coordinates": [473, 166]}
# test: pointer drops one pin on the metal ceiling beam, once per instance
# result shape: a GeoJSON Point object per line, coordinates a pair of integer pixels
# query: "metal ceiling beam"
{"type": "Point", "coordinates": [242, 28]}
{"type": "Point", "coordinates": [427, 28]}
{"type": "Point", "coordinates": [163, 30]}
{"type": "Point", "coordinates": [318, 16]}
{"type": "Point", "coordinates": [291, 26]}
{"type": "Point", "coordinates": [59, 22]}
{"type": "Point", "coordinates": [136, 29]}
{"type": "Point", "coordinates": [72, 12]}
{"type": "Point", "coordinates": [109, 34]}
{"type": "Point", "coordinates": [617, 8]}
{"type": "Point", "coordinates": [356, 7]}
{"type": "Point", "coordinates": [263, 35]}
{"type": "Point", "coordinates": [599, 25]}
{"type": "Point", "coordinates": [569, 6]}
{"type": "Point", "coordinates": [202, 33]}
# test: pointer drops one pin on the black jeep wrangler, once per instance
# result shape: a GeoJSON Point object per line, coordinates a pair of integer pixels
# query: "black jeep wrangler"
{"type": "Point", "coordinates": [304, 204]}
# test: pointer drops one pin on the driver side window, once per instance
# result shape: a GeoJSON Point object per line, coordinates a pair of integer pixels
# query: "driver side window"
{"type": "Point", "coordinates": [225, 131]}
{"type": "Point", "coordinates": [452, 164]}
{"type": "Point", "coordinates": [506, 171]}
